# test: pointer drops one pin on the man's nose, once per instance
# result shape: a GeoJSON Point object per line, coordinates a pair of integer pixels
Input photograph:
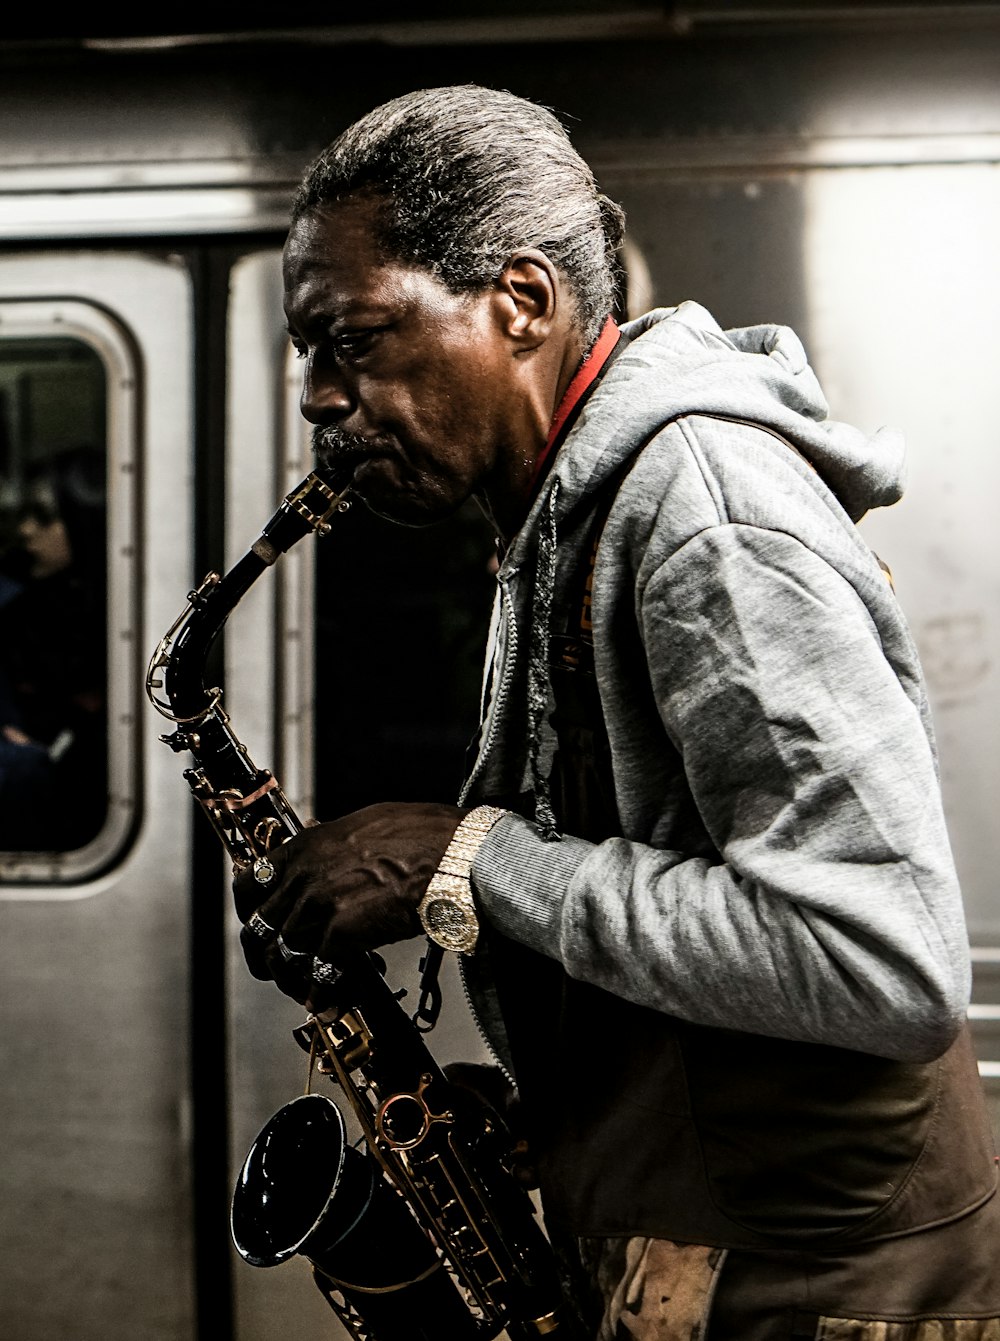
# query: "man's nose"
{"type": "Point", "coordinates": [326, 394]}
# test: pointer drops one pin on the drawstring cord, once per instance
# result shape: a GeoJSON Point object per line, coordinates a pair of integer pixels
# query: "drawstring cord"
{"type": "Point", "coordinates": [538, 664]}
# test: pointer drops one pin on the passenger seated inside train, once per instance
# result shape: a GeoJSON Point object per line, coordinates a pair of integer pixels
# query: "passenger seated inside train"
{"type": "Point", "coordinates": [53, 734]}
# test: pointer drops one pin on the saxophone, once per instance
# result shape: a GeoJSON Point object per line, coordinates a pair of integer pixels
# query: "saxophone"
{"type": "Point", "coordinates": [426, 1232]}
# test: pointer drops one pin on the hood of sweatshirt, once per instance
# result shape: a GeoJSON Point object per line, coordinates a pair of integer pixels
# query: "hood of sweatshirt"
{"type": "Point", "coordinates": [680, 361]}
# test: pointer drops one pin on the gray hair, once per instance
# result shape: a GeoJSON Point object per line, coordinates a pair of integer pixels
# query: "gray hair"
{"type": "Point", "coordinates": [468, 176]}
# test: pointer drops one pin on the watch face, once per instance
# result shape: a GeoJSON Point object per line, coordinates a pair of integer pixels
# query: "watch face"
{"type": "Point", "coordinates": [451, 924]}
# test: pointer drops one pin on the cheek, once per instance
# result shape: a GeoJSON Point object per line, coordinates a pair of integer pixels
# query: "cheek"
{"type": "Point", "coordinates": [440, 411]}
{"type": "Point", "coordinates": [443, 409]}
{"type": "Point", "coordinates": [473, 390]}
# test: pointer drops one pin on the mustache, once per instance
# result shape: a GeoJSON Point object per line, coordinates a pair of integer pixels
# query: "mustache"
{"type": "Point", "coordinates": [333, 446]}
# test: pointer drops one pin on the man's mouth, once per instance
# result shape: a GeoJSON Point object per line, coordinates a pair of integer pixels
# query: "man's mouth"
{"type": "Point", "coordinates": [349, 455]}
{"type": "Point", "coordinates": [334, 448]}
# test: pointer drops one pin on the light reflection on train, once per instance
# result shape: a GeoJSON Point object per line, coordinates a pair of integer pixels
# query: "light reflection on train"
{"type": "Point", "coordinates": [843, 180]}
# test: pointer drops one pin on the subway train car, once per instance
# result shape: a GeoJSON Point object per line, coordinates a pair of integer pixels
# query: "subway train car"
{"type": "Point", "coordinates": [831, 166]}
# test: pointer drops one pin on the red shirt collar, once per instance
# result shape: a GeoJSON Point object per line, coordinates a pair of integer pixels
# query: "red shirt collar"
{"type": "Point", "coordinates": [582, 379]}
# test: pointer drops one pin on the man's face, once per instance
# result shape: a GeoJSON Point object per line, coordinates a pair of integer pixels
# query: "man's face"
{"type": "Point", "coordinates": [407, 383]}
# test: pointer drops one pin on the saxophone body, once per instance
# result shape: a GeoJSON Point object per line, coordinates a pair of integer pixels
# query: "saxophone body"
{"type": "Point", "coordinates": [426, 1232]}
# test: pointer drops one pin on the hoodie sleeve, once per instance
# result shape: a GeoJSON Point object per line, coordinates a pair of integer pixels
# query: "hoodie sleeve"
{"type": "Point", "coordinates": [832, 913]}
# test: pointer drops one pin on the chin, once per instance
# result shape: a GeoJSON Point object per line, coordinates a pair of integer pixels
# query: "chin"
{"type": "Point", "coordinates": [407, 509]}
{"type": "Point", "coordinates": [409, 499]}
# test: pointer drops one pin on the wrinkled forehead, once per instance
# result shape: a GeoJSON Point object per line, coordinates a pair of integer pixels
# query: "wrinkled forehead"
{"type": "Point", "coordinates": [323, 267]}
{"type": "Point", "coordinates": [318, 241]}
{"type": "Point", "coordinates": [345, 232]}
{"type": "Point", "coordinates": [332, 249]}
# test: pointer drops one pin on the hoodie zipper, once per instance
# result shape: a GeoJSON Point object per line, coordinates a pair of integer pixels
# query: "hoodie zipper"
{"type": "Point", "coordinates": [499, 699]}
{"type": "Point", "coordinates": [481, 1029]}
{"type": "Point", "coordinates": [502, 690]}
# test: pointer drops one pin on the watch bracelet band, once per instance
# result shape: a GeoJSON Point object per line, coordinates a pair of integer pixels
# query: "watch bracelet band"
{"type": "Point", "coordinates": [467, 840]}
{"type": "Point", "coordinates": [451, 883]}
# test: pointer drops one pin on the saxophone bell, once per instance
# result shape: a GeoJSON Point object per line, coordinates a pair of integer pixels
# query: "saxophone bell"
{"type": "Point", "coordinates": [428, 1234]}
{"type": "Point", "coordinates": [303, 1190]}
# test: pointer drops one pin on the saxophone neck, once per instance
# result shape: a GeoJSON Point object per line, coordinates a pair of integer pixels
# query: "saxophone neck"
{"type": "Point", "coordinates": [174, 680]}
{"type": "Point", "coordinates": [244, 803]}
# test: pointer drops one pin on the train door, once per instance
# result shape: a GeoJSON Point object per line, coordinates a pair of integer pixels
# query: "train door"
{"type": "Point", "coordinates": [95, 504]}
{"type": "Point", "coordinates": [269, 697]}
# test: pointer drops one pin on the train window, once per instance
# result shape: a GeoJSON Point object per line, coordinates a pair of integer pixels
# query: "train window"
{"type": "Point", "coordinates": [63, 372]}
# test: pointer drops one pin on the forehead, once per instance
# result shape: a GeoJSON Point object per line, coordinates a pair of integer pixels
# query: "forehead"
{"type": "Point", "coordinates": [331, 262]}
{"type": "Point", "coordinates": [335, 277]}
{"type": "Point", "coordinates": [335, 235]}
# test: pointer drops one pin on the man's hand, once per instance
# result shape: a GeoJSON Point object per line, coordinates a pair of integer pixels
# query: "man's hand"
{"type": "Point", "coordinates": [352, 884]}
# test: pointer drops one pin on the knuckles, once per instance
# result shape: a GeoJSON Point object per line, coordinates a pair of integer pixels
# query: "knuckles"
{"type": "Point", "coordinates": [349, 884]}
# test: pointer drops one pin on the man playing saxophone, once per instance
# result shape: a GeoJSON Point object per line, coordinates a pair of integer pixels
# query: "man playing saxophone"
{"type": "Point", "coordinates": [698, 875]}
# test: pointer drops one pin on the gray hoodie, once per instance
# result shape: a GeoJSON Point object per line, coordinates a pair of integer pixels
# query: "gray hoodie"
{"type": "Point", "coordinates": [783, 866]}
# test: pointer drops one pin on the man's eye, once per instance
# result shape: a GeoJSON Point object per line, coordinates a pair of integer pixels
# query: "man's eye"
{"type": "Point", "coordinates": [356, 344]}
{"type": "Point", "coordinates": [346, 348]}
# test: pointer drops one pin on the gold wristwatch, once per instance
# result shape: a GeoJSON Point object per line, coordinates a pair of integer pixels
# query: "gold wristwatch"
{"type": "Point", "coordinates": [447, 911]}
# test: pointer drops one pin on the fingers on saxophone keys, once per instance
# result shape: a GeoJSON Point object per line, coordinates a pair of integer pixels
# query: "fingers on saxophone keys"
{"type": "Point", "coordinates": [289, 955]}
{"type": "Point", "coordinates": [324, 973]}
{"type": "Point", "coordinates": [259, 940]}
{"type": "Point", "coordinates": [256, 944]}
{"type": "Point", "coordinates": [257, 926]}
{"type": "Point", "coordinates": [256, 883]}
{"type": "Point", "coordinates": [264, 870]}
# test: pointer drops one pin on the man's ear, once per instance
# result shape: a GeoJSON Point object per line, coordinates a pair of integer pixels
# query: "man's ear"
{"type": "Point", "coordinates": [529, 293]}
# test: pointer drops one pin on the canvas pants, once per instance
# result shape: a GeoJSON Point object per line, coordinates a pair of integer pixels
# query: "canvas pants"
{"type": "Point", "coordinates": [940, 1285]}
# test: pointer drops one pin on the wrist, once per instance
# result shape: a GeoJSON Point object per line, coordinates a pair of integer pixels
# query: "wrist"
{"type": "Point", "coordinates": [447, 910]}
